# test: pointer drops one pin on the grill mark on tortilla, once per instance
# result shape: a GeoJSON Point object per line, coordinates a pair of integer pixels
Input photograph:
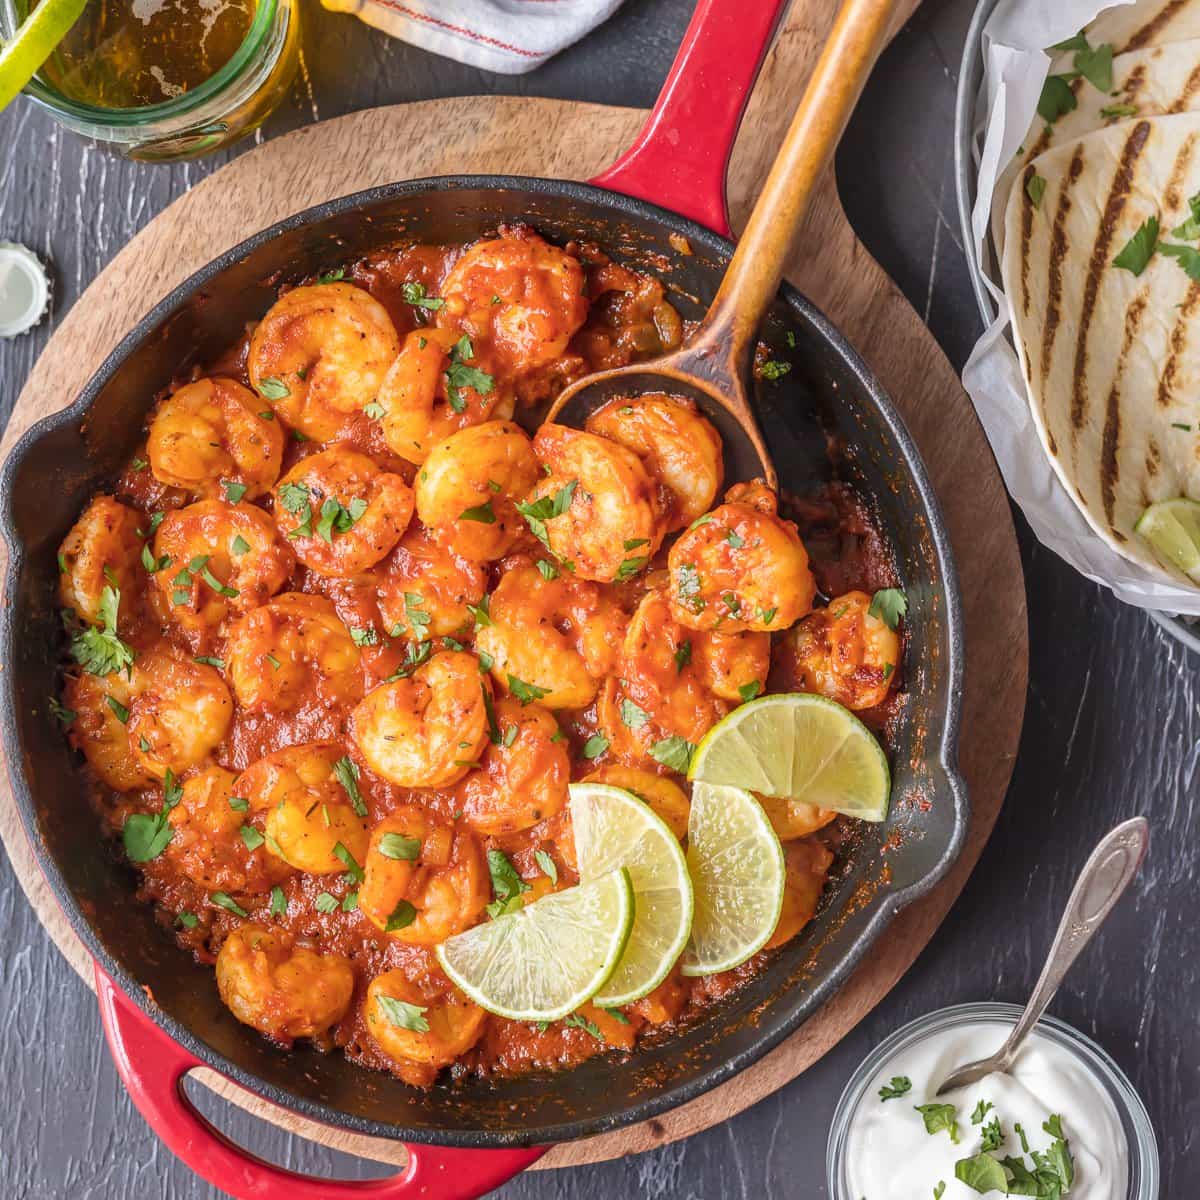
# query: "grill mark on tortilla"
{"type": "Point", "coordinates": [1109, 467]}
{"type": "Point", "coordinates": [1173, 196]}
{"type": "Point", "coordinates": [1177, 342]}
{"type": "Point", "coordinates": [1026, 236]}
{"type": "Point", "coordinates": [1189, 90]}
{"type": "Point", "coordinates": [1153, 457]}
{"type": "Point", "coordinates": [1133, 85]}
{"type": "Point", "coordinates": [1155, 25]}
{"type": "Point", "coordinates": [1118, 193]}
{"type": "Point", "coordinates": [1058, 251]}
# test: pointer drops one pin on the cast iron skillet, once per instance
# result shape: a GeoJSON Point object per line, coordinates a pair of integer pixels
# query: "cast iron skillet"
{"type": "Point", "coordinates": [60, 462]}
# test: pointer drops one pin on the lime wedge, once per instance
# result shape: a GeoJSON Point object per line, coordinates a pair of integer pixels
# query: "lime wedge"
{"type": "Point", "coordinates": [542, 962]}
{"type": "Point", "coordinates": [798, 747]}
{"type": "Point", "coordinates": [613, 828]}
{"type": "Point", "coordinates": [34, 42]}
{"type": "Point", "coordinates": [738, 873]}
{"type": "Point", "coordinates": [1172, 529]}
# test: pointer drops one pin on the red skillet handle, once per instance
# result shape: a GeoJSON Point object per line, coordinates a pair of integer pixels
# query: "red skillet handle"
{"type": "Point", "coordinates": [678, 160]}
{"type": "Point", "coordinates": [152, 1067]}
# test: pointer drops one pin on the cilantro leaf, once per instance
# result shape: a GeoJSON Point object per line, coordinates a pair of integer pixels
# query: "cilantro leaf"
{"type": "Point", "coordinates": [633, 717]}
{"type": "Point", "coordinates": [578, 1022]}
{"type": "Point", "coordinates": [889, 605]}
{"type": "Point", "coordinates": [273, 389]}
{"type": "Point", "coordinates": [983, 1173]}
{"type": "Point", "coordinates": [403, 915]}
{"type": "Point", "coordinates": [1188, 258]}
{"type": "Point", "coordinates": [674, 752]}
{"type": "Point", "coordinates": [1035, 189]}
{"type": "Point", "coordinates": [526, 692]}
{"type": "Point", "coordinates": [481, 512]}
{"type": "Point", "coordinates": [595, 746]}
{"type": "Point", "coordinates": [403, 1014]}
{"type": "Point", "coordinates": [548, 865]}
{"type": "Point", "coordinates": [347, 772]}
{"type": "Point", "coordinates": [507, 885]}
{"type": "Point", "coordinates": [416, 295]}
{"type": "Point", "coordinates": [400, 848]}
{"type": "Point", "coordinates": [938, 1117]}
{"type": "Point", "coordinates": [899, 1085]}
{"type": "Point", "coordinates": [1056, 99]}
{"type": "Point", "coordinates": [1140, 248]}
{"type": "Point", "coordinates": [459, 375]}
{"type": "Point", "coordinates": [101, 651]}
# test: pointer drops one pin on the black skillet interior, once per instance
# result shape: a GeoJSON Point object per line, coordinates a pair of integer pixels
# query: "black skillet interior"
{"type": "Point", "coordinates": [60, 462]}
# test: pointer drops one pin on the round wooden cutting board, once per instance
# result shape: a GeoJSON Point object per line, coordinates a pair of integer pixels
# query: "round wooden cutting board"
{"type": "Point", "coordinates": [575, 141]}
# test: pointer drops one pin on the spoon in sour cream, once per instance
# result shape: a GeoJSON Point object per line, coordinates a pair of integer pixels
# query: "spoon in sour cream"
{"type": "Point", "coordinates": [1103, 880]}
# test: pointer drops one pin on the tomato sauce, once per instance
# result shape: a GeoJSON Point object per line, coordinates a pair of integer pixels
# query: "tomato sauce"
{"type": "Point", "coordinates": [628, 317]}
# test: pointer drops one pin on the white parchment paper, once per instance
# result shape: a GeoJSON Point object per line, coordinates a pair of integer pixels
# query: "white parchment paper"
{"type": "Point", "coordinates": [1015, 67]}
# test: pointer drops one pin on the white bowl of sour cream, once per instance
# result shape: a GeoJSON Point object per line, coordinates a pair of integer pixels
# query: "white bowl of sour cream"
{"type": "Point", "coordinates": [1065, 1116]}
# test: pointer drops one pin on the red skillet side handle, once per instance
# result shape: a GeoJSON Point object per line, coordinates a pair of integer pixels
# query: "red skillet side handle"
{"type": "Point", "coordinates": [678, 160]}
{"type": "Point", "coordinates": [152, 1067]}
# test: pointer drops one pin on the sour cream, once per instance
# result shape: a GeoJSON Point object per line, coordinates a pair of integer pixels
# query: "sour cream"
{"type": "Point", "coordinates": [890, 1156]}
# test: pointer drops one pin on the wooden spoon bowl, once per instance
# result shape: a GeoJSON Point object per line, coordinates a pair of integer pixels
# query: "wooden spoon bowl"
{"type": "Point", "coordinates": [711, 368]}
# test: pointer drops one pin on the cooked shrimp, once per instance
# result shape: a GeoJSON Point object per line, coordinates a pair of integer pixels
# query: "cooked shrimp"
{"type": "Point", "coordinates": [733, 666]}
{"type": "Point", "coordinates": [425, 881]}
{"type": "Point", "coordinates": [101, 550]}
{"type": "Point", "coordinates": [678, 445]}
{"type": "Point", "coordinates": [99, 731]}
{"type": "Point", "coordinates": [425, 579]}
{"type": "Point", "coordinates": [179, 714]}
{"type": "Point", "coordinates": [522, 777]}
{"type": "Point", "coordinates": [741, 567]}
{"type": "Point", "coordinates": [597, 507]}
{"type": "Point", "coordinates": [427, 730]}
{"type": "Point", "coordinates": [560, 635]}
{"type": "Point", "coordinates": [792, 819]}
{"type": "Point", "coordinates": [808, 865]}
{"type": "Point", "coordinates": [666, 1002]}
{"type": "Point", "coordinates": [215, 560]}
{"type": "Point", "coordinates": [521, 295]}
{"type": "Point", "coordinates": [663, 795]}
{"type": "Point", "coordinates": [843, 652]}
{"type": "Point", "coordinates": [207, 843]}
{"type": "Point", "coordinates": [308, 812]}
{"type": "Point", "coordinates": [293, 651]}
{"type": "Point", "coordinates": [212, 433]}
{"type": "Point", "coordinates": [468, 489]}
{"type": "Point", "coordinates": [658, 692]}
{"type": "Point", "coordinates": [420, 1031]}
{"type": "Point", "coordinates": [320, 356]}
{"type": "Point", "coordinates": [435, 388]}
{"type": "Point", "coordinates": [283, 990]}
{"type": "Point", "coordinates": [341, 512]}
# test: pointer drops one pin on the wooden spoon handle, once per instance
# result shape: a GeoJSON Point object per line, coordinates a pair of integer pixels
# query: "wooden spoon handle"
{"type": "Point", "coordinates": [756, 269]}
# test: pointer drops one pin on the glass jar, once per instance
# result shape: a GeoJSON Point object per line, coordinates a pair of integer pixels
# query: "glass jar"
{"type": "Point", "coordinates": [1112, 1081]}
{"type": "Point", "coordinates": [232, 102]}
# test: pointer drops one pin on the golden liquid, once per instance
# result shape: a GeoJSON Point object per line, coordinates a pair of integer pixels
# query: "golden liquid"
{"type": "Point", "coordinates": [131, 53]}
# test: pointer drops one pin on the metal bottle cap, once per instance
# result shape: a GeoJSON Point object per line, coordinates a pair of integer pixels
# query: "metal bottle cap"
{"type": "Point", "coordinates": [24, 289]}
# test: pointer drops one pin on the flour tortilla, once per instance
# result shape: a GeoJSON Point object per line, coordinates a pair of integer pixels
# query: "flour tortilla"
{"type": "Point", "coordinates": [1155, 80]}
{"type": "Point", "coordinates": [1111, 361]}
{"type": "Point", "coordinates": [1140, 25]}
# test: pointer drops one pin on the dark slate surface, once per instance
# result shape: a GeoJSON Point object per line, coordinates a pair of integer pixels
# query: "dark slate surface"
{"type": "Point", "coordinates": [1112, 726]}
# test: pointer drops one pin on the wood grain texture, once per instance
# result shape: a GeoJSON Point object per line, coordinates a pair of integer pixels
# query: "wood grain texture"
{"type": "Point", "coordinates": [545, 137]}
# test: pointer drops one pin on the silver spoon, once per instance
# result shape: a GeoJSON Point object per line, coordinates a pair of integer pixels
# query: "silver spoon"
{"type": "Point", "coordinates": [1105, 876]}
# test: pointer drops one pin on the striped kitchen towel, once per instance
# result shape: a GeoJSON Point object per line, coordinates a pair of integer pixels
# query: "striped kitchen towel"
{"type": "Point", "coordinates": [508, 36]}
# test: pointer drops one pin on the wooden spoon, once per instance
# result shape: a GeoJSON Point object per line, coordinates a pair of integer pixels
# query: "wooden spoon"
{"type": "Point", "coordinates": [712, 366]}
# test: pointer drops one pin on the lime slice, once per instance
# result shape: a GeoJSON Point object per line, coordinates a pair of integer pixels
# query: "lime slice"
{"type": "Point", "coordinates": [544, 961]}
{"type": "Point", "coordinates": [737, 869]}
{"type": "Point", "coordinates": [34, 42]}
{"type": "Point", "coordinates": [1172, 529]}
{"type": "Point", "coordinates": [613, 828]}
{"type": "Point", "coordinates": [802, 748]}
